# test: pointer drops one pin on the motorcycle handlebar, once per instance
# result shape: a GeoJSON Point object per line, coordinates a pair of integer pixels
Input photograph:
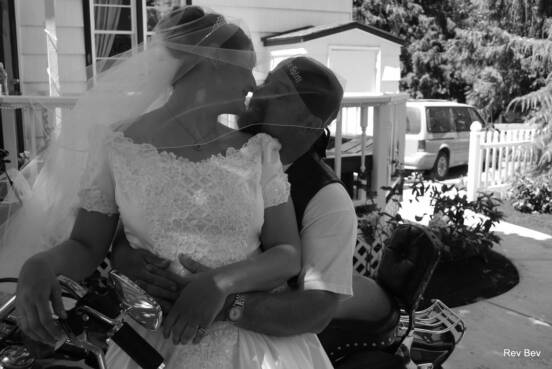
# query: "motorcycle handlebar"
{"type": "Point", "coordinates": [7, 308]}
{"type": "Point", "coordinates": [137, 348]}
{"type": "Point", "coordinates": [126, 337]}
{"type": "Point", "coordinates": [67, 285]}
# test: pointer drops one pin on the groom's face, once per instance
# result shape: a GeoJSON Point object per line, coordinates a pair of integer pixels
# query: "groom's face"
{"type": "Point", "coordinates": [279, 109]}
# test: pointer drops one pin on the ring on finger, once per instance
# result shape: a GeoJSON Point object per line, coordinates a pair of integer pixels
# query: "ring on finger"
{"type": "Point", "coordinates": [201, 332]}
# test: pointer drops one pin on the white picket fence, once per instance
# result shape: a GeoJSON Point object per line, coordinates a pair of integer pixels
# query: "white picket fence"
{"type": "Point", "coordinates": [497, 155]}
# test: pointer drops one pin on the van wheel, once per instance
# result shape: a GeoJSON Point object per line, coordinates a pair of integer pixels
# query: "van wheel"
{"type": "Point", "coordinates": [441, 166]}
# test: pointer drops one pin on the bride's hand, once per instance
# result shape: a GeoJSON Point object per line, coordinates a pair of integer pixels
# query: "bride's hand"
{"type": "Point", "coordinates": [36, 289]}
{"type": "Point", "coordinates": [198, 305]}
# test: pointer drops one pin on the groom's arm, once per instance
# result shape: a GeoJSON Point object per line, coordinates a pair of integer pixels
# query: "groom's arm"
{"type": "Point", "coordinates": [327, 241]}
{"type": "Point", "coordinates": [328, 238]}
{"type": "Point", "coordinates": [287, 313]}
{"type": "Point", "coordinates": [278, 314]}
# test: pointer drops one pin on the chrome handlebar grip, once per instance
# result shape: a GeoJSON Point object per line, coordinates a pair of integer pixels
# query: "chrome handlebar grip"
{"type": "Point", "coordinates": [7, 308]}
{"type": "Point", "coordinates": [71, 287]}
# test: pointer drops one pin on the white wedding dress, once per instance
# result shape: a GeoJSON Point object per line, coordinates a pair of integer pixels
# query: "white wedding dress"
{"type": "Point", "coordinates": [211, 210]}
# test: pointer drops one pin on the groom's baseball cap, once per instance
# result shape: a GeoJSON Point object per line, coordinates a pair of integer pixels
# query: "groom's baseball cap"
{"type": "Point", "coordinates": [316, 84]}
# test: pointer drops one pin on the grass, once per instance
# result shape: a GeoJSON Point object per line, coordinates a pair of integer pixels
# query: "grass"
{"type": "Point", "coordinates": [536, 222]}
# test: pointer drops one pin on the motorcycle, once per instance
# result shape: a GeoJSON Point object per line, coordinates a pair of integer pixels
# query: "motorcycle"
{"type": "Point", "coordinates": [405, 337]}
{"type": "Point", "coordinates": [99, 315]}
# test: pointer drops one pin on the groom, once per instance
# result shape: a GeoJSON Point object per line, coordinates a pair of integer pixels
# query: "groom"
{"type": "Point", "coordinates": [324, 211]}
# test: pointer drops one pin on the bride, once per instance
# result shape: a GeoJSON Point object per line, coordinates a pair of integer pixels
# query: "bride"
{"type": "Point", "coordinates": [180, 182]}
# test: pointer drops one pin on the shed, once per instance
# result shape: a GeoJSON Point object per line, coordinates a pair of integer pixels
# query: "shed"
{"type": "Point", "coordinates": [364, 57]}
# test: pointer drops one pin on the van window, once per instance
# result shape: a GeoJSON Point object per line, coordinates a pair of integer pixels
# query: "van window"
{"type": "Point", "coordinates": [462, 119]}
{"type": "Point", "coordinates": [413, 120]}
{"type": "Point", "coordinates": [439, 120]}
{"type": "Point", "coordinates": [476, 116]}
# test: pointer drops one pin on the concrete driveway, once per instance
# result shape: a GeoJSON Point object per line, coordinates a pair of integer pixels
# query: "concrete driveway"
{"type": "Point", "coordinates": [513, 330]}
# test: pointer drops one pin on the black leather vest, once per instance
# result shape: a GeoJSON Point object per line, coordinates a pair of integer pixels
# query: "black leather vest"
{"type": "Point", "coordinates": [308, 175]}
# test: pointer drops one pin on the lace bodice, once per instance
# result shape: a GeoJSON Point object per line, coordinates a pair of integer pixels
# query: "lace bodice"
{"type": "Point", "coordinates": [211, 210]}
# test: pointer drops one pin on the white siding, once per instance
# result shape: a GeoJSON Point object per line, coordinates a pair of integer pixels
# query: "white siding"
{"type": "Point", "coordinates": [265, 17]}
{"type": "Point", "coordinates": [260, 17]}
{"type": "Point", "coordinates": [71, 54]}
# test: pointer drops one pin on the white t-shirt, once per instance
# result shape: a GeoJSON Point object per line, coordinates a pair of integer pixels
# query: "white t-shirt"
{"type": "Point", "coordinates": [328, 239]}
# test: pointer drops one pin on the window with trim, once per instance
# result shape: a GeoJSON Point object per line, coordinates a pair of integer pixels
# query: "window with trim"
{"type": "Point", "coordinates": [439, 120]}
{"type": "Point", "coordinates": [413, 120]}
{"type": "Point", "coordinates": [8, 49]}
{"type": "Point", "coordinates": [462, 119]}
{"type": "Point", "coordinates": [475, 116]}
{"type": "Point", "coordinates": [117, 26]}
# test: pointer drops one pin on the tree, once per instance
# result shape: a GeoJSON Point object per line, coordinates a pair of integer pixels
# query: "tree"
{"type": "Point", "coordinates": [494, 54]}
{"type": "Point", "coordinates": [425, 71]}
{"type": "Point", "coordinates": [499, 66]}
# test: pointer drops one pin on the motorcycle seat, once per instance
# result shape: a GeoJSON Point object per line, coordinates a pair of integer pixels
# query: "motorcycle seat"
{"type": "Point", "coordinates": [343, 337]}
{"type": "Point", "coordinates": [407, 263]}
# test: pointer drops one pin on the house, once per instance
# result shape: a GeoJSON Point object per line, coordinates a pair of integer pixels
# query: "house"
{"type": "Point", "coordinates": [89, 32]}
{"type": "Point", "coordinates": [53, 47]}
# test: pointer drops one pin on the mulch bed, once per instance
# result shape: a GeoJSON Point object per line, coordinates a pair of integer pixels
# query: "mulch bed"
{"type": "Point", "coordinates": [472, 279]}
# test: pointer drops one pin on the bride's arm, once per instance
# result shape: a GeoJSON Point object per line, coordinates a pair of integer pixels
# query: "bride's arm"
{"type": "Point", "coordinates": [76, 258]}
{"type": "Point", "coordinates": [86, 247]}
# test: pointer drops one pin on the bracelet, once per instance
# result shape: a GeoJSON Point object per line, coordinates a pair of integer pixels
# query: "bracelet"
{"type": "Point", "coordinates": [236, 310]}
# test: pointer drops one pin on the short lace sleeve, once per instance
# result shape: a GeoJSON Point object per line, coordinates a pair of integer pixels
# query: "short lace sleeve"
{"type": "Point", "coordinates": [274, 181]}
{"type": "Point", "coordinates": [97, 190]}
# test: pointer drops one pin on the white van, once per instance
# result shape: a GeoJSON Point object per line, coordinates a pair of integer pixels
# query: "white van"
{"type": "Point", "coordinates": [437, 135]}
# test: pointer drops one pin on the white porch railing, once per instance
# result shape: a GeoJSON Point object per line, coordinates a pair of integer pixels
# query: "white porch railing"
{"type": "Point", "coordinates": [495, 156]}
{"type": "Point", "coordinates": [387, 140]}
{"type": "Point", "coordinates": [38, 116]}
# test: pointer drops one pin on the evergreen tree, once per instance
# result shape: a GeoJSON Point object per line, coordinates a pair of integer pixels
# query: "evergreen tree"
{"type": "Point", "coordinates": [494, 54]}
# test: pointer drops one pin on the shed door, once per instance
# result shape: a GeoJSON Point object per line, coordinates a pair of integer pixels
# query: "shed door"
{"type": "Point", "coordinates": [358, 66]}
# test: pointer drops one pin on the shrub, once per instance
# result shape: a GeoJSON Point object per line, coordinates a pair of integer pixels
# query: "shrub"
{"type": "Point", "coordinates": [531, 194]}
{"type": "Point", "coordinates": [463, 226]}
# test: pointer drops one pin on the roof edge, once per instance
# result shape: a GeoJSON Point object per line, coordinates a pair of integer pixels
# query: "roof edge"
{"type": "Point", "coordinates": [285, 32]}
{"type": "Point", "coordinates": [267, 41]}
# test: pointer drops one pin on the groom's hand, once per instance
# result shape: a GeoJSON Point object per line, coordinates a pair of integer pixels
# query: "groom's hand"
{"type": "Point", "coordinates": [146, 269]}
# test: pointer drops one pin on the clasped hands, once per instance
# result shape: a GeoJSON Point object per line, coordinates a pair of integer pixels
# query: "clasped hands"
{"type": "Point", "coordinates": [192, 303]}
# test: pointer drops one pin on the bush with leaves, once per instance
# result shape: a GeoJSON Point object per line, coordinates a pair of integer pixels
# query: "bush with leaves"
{"type": "Point", "coordinates": [532, 194]}
{"type": "Point", "coordinates": [376, 225]}
{"type": "Point", "coordinates": [463, 226]}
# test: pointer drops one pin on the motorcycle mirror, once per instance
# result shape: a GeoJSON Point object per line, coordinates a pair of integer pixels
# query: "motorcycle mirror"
{"type": "Point", "coordinates": [137, 303]}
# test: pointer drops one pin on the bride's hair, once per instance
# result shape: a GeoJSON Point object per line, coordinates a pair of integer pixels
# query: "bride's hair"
{"type": "Point", "coordinates": [192, 31]}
